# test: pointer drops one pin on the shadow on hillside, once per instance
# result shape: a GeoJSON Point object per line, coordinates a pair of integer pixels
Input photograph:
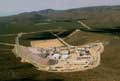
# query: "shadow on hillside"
{"type": "Point", "coordinates": [36, 80]}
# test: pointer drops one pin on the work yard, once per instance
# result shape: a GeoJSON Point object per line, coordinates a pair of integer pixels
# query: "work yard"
{"type": "Point", "coordinates": [12, 69]}
{"type": "Point", "coordinates": [46, 43]}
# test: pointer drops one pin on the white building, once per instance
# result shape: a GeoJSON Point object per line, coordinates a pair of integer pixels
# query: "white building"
{"type": "Point", "coordinates": [55, 56]}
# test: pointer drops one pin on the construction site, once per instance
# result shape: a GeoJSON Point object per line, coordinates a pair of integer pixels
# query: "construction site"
{"type": "Point", "coordinates": [56, 55]}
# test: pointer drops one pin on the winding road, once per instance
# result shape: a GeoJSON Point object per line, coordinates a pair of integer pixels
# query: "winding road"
{"type": "Point", "coordinates": [84, 25]}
